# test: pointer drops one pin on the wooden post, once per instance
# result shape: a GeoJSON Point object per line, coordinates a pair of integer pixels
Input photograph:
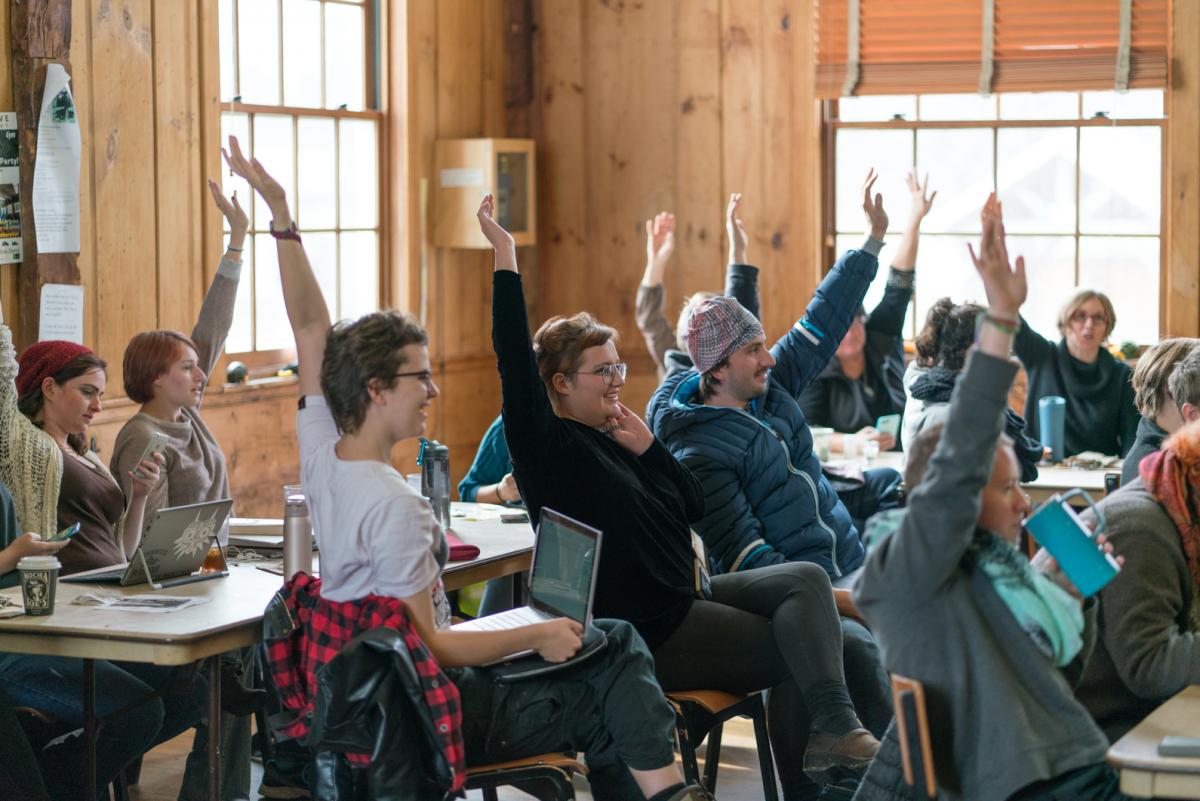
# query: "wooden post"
{"type": "Point", "coordinates": [41, 35]}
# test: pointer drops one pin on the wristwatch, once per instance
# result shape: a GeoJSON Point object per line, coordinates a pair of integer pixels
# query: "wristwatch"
{"type": "Point", "coordinates": [291, 232]}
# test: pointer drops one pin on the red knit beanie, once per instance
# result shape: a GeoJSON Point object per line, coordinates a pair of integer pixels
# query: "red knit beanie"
{"type": "Point", "coordinates": [43, 360]}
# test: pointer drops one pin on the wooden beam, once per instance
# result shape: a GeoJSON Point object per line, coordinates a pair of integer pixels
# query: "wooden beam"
{"type": "Point", "coordinates": [1182, 271]}
{"type": "Point", "coordinates": [41, 35]}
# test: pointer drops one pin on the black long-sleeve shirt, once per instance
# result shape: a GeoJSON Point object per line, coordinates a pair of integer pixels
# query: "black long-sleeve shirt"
{"type": "Point", "coordinates": [641, 504]}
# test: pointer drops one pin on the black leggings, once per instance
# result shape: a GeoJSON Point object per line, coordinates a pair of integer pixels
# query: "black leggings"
{"type": "Point", "coordinates": [773, 627]}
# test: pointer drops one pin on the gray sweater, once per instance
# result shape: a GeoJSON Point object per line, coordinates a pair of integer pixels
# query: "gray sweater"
{"type": "Point", "coordinates": [1001, 715]}
{"type": "Point", "coordinates": [1148, 646]}
{"type": "Point", "coordinates": [195, 469]}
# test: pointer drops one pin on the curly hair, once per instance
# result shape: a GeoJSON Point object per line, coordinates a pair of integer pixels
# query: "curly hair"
{"type": "Point", "coordinates": [948, 334]}
{"type": "Point", "coordinates": [358, 352]}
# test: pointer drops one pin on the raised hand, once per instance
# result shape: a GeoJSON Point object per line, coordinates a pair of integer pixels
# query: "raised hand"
{"type": "Point", "coordinates": [660, 243]}
{"type": "Point", "coordinates": [260, 181]}
{"type": "Point", "coordinates": [630, 431]}
{"type": "Point", "coordinates": [239, 223]}
{"type": "Point", "coordinates": [877, 218]}
{"type": "Point", "coordinates": [735, 229]}
{"type": "Point", "coordinates": [500, 240]}
{"type": "Point", "coordinates": [922, 200]}
{"type": "Point", "coordinates": [1005, 287]}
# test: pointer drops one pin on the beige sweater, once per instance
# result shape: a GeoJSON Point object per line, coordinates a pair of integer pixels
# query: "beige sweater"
{"type": "Point", "coordinates": [31, 462]}
{"type": "Point", "coordinates": [195, 469]}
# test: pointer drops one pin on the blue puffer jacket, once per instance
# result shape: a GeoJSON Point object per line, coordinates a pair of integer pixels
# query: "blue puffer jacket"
{"type": "Point", "coordinates": [767, 501]}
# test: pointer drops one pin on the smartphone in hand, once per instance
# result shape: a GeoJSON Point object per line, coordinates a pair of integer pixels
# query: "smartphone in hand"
{"type": "Point", "coordinates": [157, 444]}
{"type": "Point", "coordinates": [65, 534]}
{"type": "Point", "coordinates": [889, 424]}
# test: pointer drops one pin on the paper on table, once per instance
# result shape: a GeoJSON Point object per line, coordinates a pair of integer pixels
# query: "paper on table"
{"type": "Point", "coordinates": [150, 602]}
{"type": "Point", "coordinates": [61, 313]}
{"type": "Point", "coordinates": [10, 190]}
{"type": "Point", "coordinates": [56, 167]}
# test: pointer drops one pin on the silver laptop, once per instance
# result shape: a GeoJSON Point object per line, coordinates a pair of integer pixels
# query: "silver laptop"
{"type": "Point", "coordinates": [173, 547]}
{"type": "Point", "coordinates": [566, 560]}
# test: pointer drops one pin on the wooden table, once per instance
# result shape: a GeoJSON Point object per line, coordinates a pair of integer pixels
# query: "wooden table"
{"type": "Point", "coordinates": [231, 618]}
{"type": "Point", "coordinates": [1145, 774]}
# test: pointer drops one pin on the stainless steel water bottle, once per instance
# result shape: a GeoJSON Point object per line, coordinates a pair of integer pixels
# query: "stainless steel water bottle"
{"type": "Point", "coordinates": [297, 533]}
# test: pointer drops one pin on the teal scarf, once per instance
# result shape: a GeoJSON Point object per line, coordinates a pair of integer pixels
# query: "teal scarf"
{"type": "Point", "coordinates": [1051, 616]}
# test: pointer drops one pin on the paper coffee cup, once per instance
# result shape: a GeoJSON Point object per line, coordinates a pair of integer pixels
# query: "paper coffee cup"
{"type": "Point", "coordinates": [39, 581]}
{"type": "Point", "coordinates": [822, 439]}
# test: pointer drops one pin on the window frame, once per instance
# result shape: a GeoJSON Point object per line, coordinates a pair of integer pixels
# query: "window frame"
{"type": "Point", "coordinates": [374, 48]}
{"type": "Point", "coordinates": [831, 124]}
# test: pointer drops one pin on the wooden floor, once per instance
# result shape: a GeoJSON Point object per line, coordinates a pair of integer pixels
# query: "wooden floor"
{"type": "Point", "coordinates": [162, 770]}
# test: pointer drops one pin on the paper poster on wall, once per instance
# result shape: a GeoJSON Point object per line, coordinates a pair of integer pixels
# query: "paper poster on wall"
{"type": "Point", "coordinates": [61, 313]}
{"type": "Point", "coordinates": [10, 190]}
{"type": "Point", "coordinates": [56, 167]}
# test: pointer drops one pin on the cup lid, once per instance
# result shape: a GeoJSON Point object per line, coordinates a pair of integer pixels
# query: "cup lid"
{"type": "Point", "coordinates": [39, 563]}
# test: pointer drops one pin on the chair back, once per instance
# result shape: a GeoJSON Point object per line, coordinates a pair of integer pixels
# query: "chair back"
{"type": "Point", "coordinates": [912, 726]}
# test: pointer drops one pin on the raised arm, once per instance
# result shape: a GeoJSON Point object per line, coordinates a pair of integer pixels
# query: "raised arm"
{"type": "Point", "coordinates": [741, 279]}
{"type": "Point", "coordinates": [802, 353]}
{"type": "Point", "coordinates": [655, 327]}
{"type": "Point", "coordinates": [887, 318]}
{"type": "Point", "coordinates": [905, 258]}
{"type": "Point", "coordinates": [216, 313]}
{"type": "Point", "coordinates": [302, 296]}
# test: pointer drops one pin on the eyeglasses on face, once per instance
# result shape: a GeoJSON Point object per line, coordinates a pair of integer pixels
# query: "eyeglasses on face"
{"type": "Point", "coordinates": [608, 372]}
{"type": "Point", "coordinates": [1081, 317]}
{"type": "Point", "coordinates": [424, 376]}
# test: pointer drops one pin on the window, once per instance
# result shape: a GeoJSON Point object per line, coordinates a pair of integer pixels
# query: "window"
{"type": "Point", "coordinates": [1079, 174]}
{"type": "Point", "coordinates": [298, 89]}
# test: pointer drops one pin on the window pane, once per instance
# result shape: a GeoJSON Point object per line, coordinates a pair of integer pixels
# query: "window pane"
{"type": "Point", "coordinates": [1050, 267]}
{"type": "Point", "coordinates": [958, 107]}
{"type": "Point", "coordinates": [358, 174]}
{"type": "Point", "coordinates": [301, 53]}
{"type": "Point", "coordinates": [877, 108]}
{"type": "Point", "coordinates": [890, 153]}
{"type": "Point", "coordinates": [225, 23]}
{"type": "Point", "coordinates": [1127, 270]}
{"type": "Point", "coordinates": [1035, 177]}
{"type": "Point", "coordinates": [317, 182]}
{"type": "Point", "coordinates": [959, 163]}
{"type": "Point", "coordinates": [271, 327]}
{"type": "Point", "coordinates": [274, 147]}
{"type": "Point", "coordinates": [258, 51]}
{"type": "Point", "coordinates": [944, 269]}
{"type": "Point", "coordinates": [875, 291]}
{"type": "Point", "coordinates": [1134, 104]}
{"type": "Point", "coordinates": [322, 254]}
{"type": "Point", "coordinates": [1120, 180]}
{"type": "Point", "coordinates": [1039, 106]}
{"type": "Point", "coordinates": [236, 125]}
{"type": "Point", "coordinates": [241, 332]}
{"type": "Point", "coordinates": [359, 274]}
{"type": "Point", "coordinates": [345, 59]}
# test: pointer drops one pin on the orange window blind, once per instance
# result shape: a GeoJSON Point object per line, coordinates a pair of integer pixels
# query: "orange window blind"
{"type": "Point", "coordinates": [937, 46]}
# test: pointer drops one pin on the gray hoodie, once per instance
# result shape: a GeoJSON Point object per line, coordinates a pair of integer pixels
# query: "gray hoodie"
{"type": "Point", "coordinates": [1001, 715]}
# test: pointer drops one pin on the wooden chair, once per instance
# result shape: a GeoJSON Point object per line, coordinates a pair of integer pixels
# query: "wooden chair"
{"type": "Point", "coordinates": [912, 726]}
{"type": "Point", "coordinates": [547, 777]}
{"type": "Point", "coordinates": [701, 713]}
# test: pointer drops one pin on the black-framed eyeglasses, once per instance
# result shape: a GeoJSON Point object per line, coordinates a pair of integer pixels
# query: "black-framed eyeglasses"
{"type": "Point", "coordinates": [424, 376]}
{"type": "Point", "coordinates": [608, 372]}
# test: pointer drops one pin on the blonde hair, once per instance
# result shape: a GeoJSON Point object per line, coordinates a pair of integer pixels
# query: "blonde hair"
{"type": "Point", "coordinates": [560, 342]}
{"type": "Point", "coordinates": [1081, 297]}
{"type": "Point", "coordinates": [685, 316]}
{"type": "Point", "coordinates": [1151, 376]}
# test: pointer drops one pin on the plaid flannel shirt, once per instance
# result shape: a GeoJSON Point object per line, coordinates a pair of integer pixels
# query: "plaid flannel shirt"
{"type": "Point", "coordinates": [323, 628]}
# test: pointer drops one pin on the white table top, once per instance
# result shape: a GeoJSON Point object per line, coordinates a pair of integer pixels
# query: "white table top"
{"type": "Point", "coordinates": [1145, 774]}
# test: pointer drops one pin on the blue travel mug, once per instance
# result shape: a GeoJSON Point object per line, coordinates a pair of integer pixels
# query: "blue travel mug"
{"type": "Point", "coordinates": [1057, 527]}
{"type": "Point", "coordinates": [1052, 421]}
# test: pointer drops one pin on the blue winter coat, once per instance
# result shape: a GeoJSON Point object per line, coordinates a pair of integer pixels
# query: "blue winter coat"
{"type": "Point", "coordinates": [767, 501]}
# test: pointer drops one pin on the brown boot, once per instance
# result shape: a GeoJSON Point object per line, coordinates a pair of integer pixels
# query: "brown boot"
{"type": "Point", "coordinates": [825, 752]}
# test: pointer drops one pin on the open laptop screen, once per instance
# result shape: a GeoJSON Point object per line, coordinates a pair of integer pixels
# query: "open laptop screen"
{"type": "Point", "coordinates": [564, 566]}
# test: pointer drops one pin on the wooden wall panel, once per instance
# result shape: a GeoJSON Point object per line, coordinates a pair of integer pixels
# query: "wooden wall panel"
{"type": "Point", "coordinates": [1182, 273]}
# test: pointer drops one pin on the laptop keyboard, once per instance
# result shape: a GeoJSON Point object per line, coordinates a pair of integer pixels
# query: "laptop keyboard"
{"type": "Point", "coordinates": [512, 619]}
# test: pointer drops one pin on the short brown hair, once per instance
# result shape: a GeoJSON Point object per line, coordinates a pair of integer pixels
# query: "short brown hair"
{"type": "Point", "coordinates": [921, 451]}
{"type": "Point", "coordinates": [357, 352]}
{"type": "Point", "coordinates": [1081, 297]}
{"type": "Point", "coordinates": [560, 342]}
{"type": "Point", "coordinates": [147, 356]}
{"type": "Point", "coordinates": [1153, 372]}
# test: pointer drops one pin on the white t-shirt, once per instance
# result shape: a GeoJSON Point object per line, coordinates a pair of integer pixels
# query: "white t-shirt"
{"type": "Point", "coordinates": [376, 534]}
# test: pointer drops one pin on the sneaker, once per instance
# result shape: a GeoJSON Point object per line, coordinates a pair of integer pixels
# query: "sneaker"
{"type": "Point", "coordinates": [827, 752]}
{"type": "Point", "coordinates": [276, 785]}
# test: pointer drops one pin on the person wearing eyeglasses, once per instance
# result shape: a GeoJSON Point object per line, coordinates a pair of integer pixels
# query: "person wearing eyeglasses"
{"type": "Point", "coordinates": [578, 449]}
{"type": "Point", "coordinates": [1100, 412]}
